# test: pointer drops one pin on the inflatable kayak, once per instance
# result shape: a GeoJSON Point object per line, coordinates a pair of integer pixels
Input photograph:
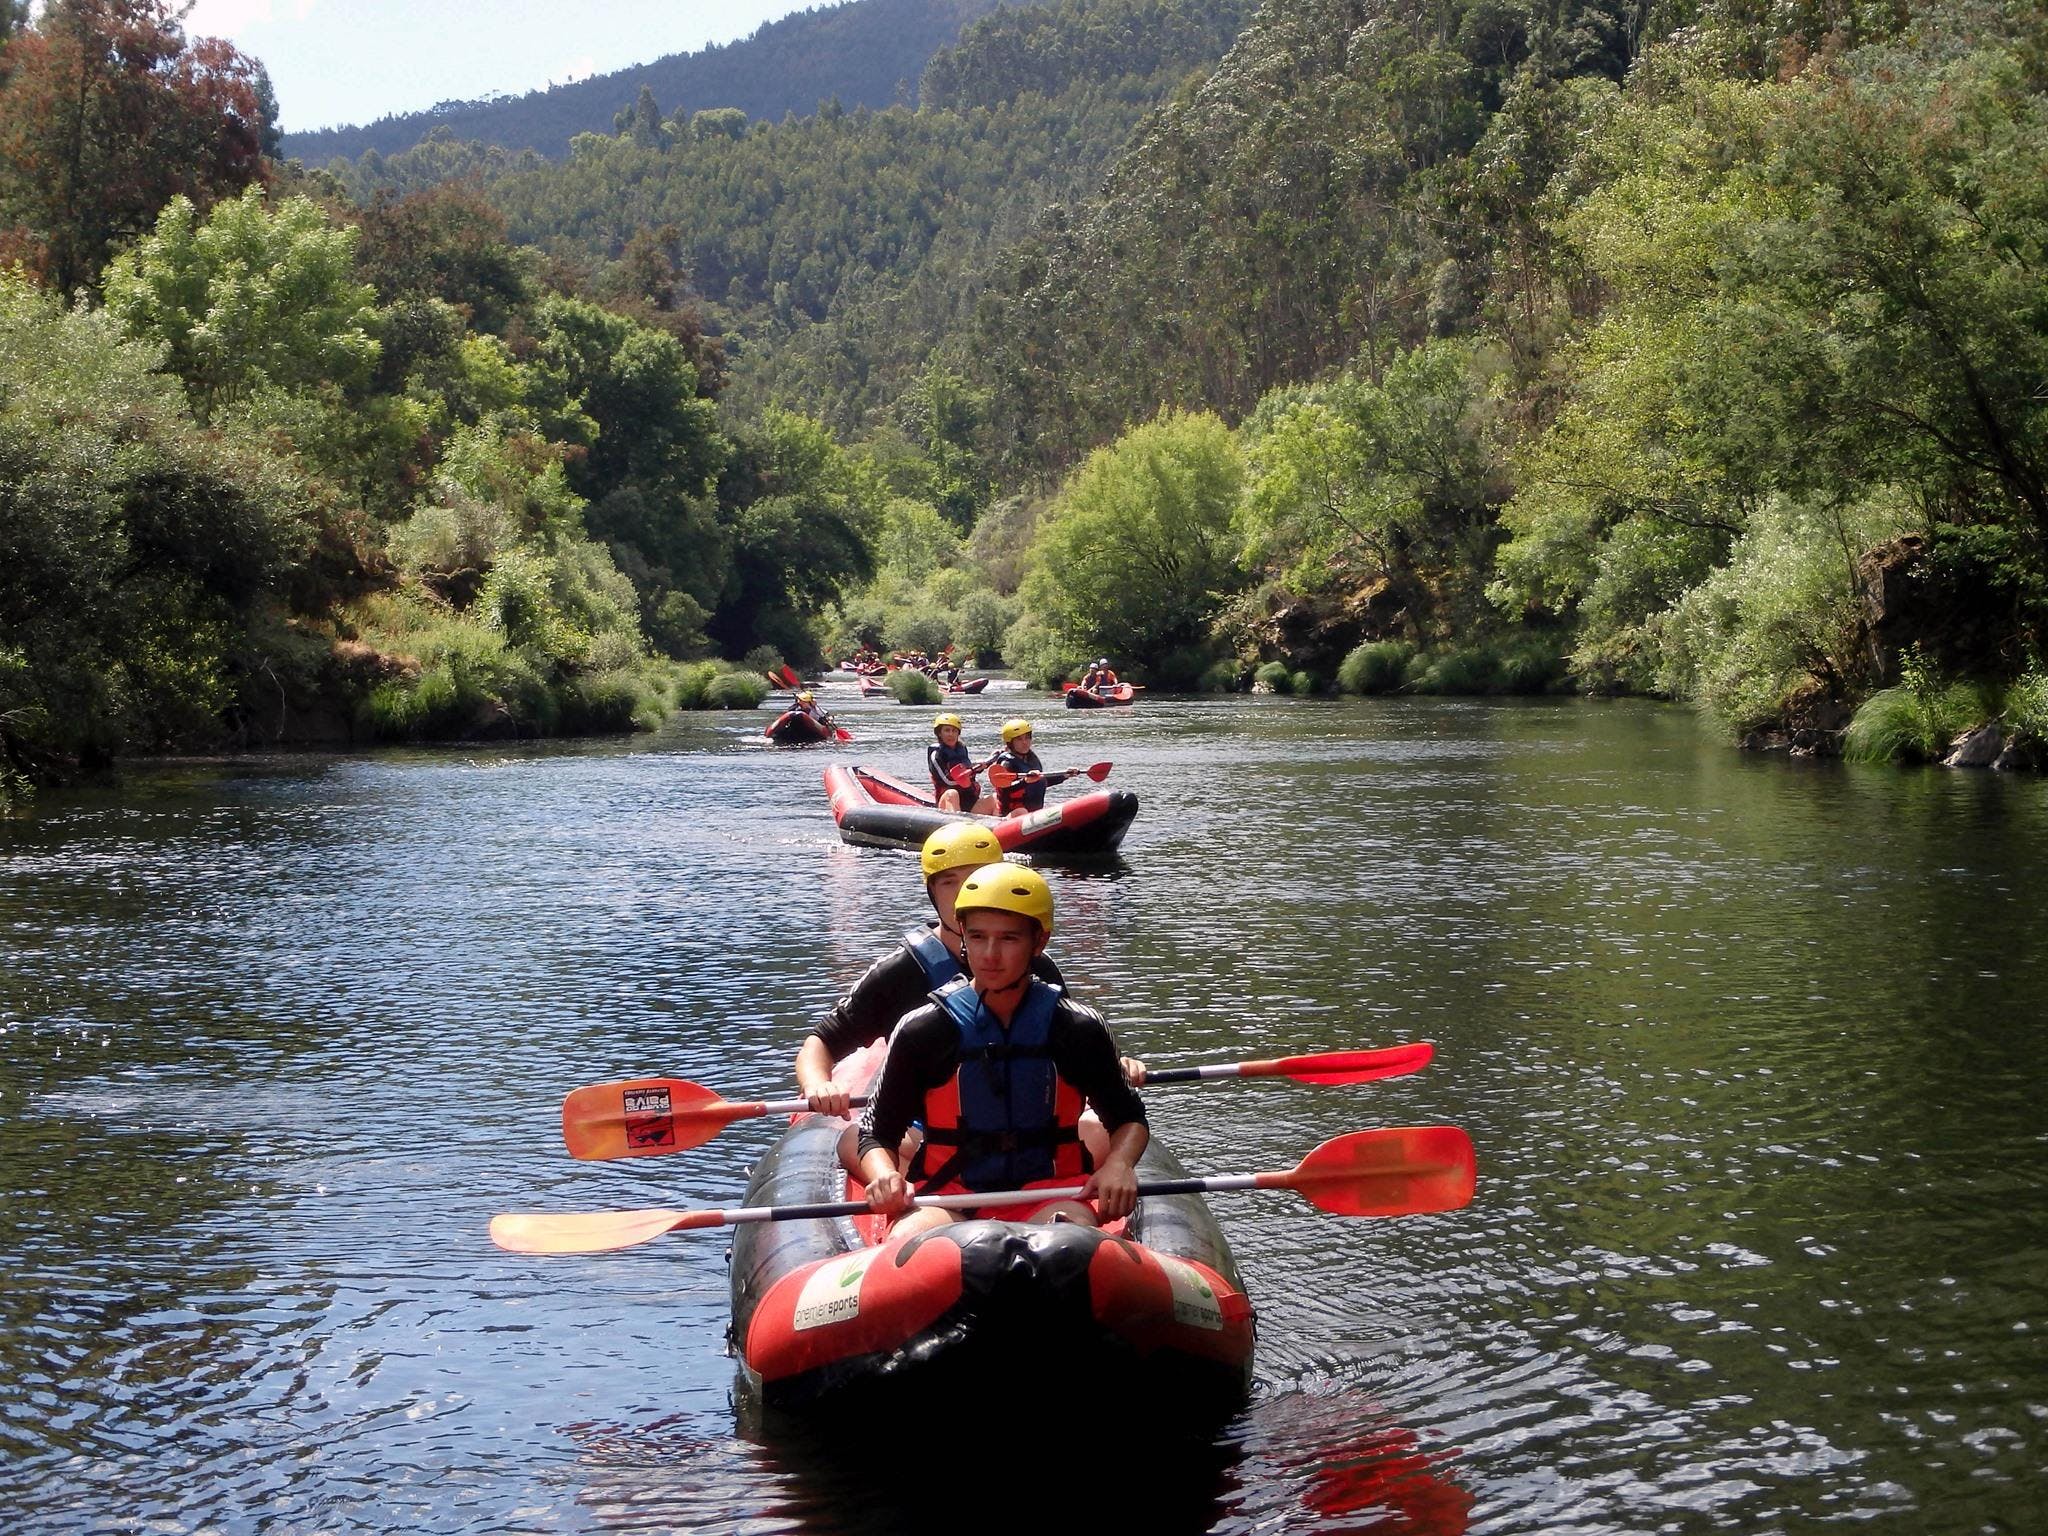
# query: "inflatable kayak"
{"type": "Point", "coordinates": [793, 728]}
{"type": "Point", "coordinates": [1100, 698]}
{"type": "Point", "coordinates": [876, 811]}
{"type": "Point", "coordinates": [829, 1317]}
{"type": "Point", "coordinates": [972, 685]}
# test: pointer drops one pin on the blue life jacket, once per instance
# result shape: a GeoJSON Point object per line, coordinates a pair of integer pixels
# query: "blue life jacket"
{"type": "Point", "coordinates": [1005, 1118]}
{"type": "Point", "coordinates": [930, 951]}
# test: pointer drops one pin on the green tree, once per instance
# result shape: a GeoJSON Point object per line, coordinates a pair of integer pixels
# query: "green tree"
{"type": "Point", "coordinates": [801, 537]}
{"type": "Point", "coordinates": [135, 549]}
{"type": "Point", "coordinates": [1136, 555]}
{"type": "Point", "coordinates": [254, 298]}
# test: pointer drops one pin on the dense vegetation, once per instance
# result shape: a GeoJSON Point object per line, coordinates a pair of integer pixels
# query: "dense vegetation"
{"type": "Point", "coordinates": [1688, 348]}
{"type": "Point", "coordinates": [862, 53]}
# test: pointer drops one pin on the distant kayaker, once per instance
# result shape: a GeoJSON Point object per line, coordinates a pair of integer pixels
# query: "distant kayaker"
{"type": "Point", "coordinates": [1099, 678]}
{"type": "Point", "coordinates": [806, 704]}
{"type": "Point", "coordinates": [1019, 778]}
{"type": "Point", "coordinates": [997, 1068]}
{"type": "Point", "coordinates": [955, 774]}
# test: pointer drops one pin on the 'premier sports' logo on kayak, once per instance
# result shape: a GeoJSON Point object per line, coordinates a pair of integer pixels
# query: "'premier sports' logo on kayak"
{"type": "Point", "coordinates": [649, 1119]}
{"type": "Point", "coordinates": [832, 1294]}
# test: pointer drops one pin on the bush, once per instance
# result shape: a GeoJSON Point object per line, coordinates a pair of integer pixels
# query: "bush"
{"type": "Point", "coordinates": [693, 685]}
{"type": "Point", "coordinates": [1304, 685]}
{"type": "Point", "coordinates": [1378, 666]}
{"type": "Point", "coordinates": [1466, 670]}
{"type": "Point", "coordinates": [2026, 707]}
{"type": "Point", "coordinates": [914, 687]}
{"type": "Point", "coordinates": [1534, 663]}
{"type": "Point", "coordinates": [1222, 677]}
{"type": "Point", "coordinates": [1273, 677]}
{"type": "Point", "coordinates": [735, 690]}
{"type": "Point", "coordinates": [1916, 721]}
{"type": "Point", "coordinates": [621, 699]}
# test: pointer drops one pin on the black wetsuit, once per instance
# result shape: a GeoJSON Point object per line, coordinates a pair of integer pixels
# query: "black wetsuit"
{"type": "Point", "coordinates": [894, 985]}
{"type": "Point", "coordinates": [925, 1052]}
{"type": "Point", "coordinates": [1019, 795]}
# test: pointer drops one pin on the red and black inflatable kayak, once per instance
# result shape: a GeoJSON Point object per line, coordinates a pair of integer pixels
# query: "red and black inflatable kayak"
{"type": "Point", "coordinates": [972, 685]}
{"type": "Point", "coordinates": [1100, 698]}
{"type": "Point", "coordinates": [876, 811]}
{"type": "Point", "coordinates": [830, 1317]}
{"type": "Point", "coordinates": [794, 728]}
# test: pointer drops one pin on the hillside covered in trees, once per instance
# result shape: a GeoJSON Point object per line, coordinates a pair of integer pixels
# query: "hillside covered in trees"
{"type": "Point", "coordinates": [1689, 349]}
{"type": "Point", "coordinates": [860, 53]}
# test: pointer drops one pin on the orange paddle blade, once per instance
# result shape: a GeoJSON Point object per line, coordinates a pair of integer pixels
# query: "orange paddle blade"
{"type": "Point", "coordinates": [1329, 1068]}
{"type": "Point", "coordinates": [590, 1231]}
{"type": "Point", "coordinates": [644, 1117]}
{"type": "Point", "coordinates": [1408, 1171]}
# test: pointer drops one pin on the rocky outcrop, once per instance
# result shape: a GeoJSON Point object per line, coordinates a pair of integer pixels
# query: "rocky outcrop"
{"type": "Point", "coordinates": [1979, 748]}
{"type": "Point", "coordinates": [1813, 724]}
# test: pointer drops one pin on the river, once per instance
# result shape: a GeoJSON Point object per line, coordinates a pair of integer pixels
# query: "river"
{"type": "Point", "coordinates": [1750, 1049]}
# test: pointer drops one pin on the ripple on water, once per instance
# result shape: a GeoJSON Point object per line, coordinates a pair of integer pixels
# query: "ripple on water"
{"type": "Point", "coordinates": [1744, 1047]}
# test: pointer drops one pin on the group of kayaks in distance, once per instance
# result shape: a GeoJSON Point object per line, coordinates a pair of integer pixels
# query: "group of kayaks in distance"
{"type": "Point", "coordinates": [968, 1207]}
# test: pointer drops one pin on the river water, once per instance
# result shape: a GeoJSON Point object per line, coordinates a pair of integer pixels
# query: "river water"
{"type": "Point", "coordinates": [1750, 1050]}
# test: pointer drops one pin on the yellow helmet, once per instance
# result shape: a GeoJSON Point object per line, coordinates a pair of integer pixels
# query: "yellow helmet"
{"type": "Point", "coordinates": [1012, 729]}
{"type": "Point", "coordinates": [946, 719]}
{"type": "Point", "coordinates": [1007, 888]}
{"type": "Point", "coordinates": [959, 845]}
{"type": "Point", "coordinates": [807, 697]}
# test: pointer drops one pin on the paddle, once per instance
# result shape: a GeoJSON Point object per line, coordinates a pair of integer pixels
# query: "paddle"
{"type": "Point", "coordinates": [1405, 1171]}
{"type": "Point", "coordinates": [653, 1116]}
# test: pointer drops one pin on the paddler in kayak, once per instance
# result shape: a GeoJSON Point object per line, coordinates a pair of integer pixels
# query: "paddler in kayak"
{"type": "Point", "coordinates": [1019, 778]}
{"type": "Point", "coordinates": [1100, 677]}
{"type": "Point", "coordinates": [927, 958]}
{"type": "Point", "coordinates": [955, 774]}
{"type": "Point", "coordinates": [997, 1068]}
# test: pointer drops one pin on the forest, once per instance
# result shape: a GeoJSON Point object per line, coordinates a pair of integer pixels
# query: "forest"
{"type": "Point", "coordinates": [1681, 349]}
{"type": "Point", "coordinates": [856, 52]}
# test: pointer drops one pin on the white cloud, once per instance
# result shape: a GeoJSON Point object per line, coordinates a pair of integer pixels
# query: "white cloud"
{"type": "Point", "coordinates": [574, 70]}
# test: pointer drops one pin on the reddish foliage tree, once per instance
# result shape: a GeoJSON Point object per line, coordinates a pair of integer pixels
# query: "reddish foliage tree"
{"type": "Point", "coordinates": [106, 113]}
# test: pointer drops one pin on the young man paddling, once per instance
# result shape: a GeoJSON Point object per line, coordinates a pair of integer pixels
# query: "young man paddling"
{"type": "Point", "coordinates": [1019, 778]}
{"type": "Point", "coordinates": [926, 959]}
{"type": "Point", "coordinates": [998, 1068]}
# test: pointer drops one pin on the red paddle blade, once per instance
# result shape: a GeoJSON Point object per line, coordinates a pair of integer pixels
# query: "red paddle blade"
{"type": "Point", "coordinates": [1408, 1171]}
{"type": "Point", "coordinates": [590, 1231]}
{"type": "Point", "coordinates": [1097, 771]}
{"type": "Point", "coordinates": [1330, 1068]}
{"type": "Point", "coordinates": [645, 1117]}
{"type": "Point", "coordinates": [841, 733]}
{"type": "Point", "coordinates": [789, 677]}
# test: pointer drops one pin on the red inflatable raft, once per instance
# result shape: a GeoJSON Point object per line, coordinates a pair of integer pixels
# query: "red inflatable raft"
{"type": "Point", "coordinates": [794, 728]}
{"type": "Point", "coordinates": [830, 1316]}
{"type": "Point", "coordinates": [876, 811]}
{"type": "Point", "coordinates": [1100, 698]}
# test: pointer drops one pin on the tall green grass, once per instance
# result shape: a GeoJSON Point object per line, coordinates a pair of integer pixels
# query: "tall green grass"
{"type": "Point", "coordinates": [911, 687]}
{"type": "Point", "coordinates": [1916, 721]}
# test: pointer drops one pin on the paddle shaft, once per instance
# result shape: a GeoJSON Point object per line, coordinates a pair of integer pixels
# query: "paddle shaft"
{"type": "Point", "coordinates": [825, 1210]}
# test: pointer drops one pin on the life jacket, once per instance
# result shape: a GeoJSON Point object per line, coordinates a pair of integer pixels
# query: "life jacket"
{"type": "Point", "coordinates": [941, 761]}
{"type": "Point", "coordinates": [1005, 1118]}
{"type": "Point", "coordinates": [929, 950]}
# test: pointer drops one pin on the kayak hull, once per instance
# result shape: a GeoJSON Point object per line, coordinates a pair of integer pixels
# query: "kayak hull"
{"type": "Point", "coordinates": [1091, 698]}
{"type": "Point", "coordinates": [794, 729]}
{"type": "Point", "coordinates": [875, 811]}
{"type": "Point", "coordinates": [829, 1318]}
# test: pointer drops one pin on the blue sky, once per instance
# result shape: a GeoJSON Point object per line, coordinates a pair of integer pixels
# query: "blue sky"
{"type": "Point", "coordinates": [343, 61]}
